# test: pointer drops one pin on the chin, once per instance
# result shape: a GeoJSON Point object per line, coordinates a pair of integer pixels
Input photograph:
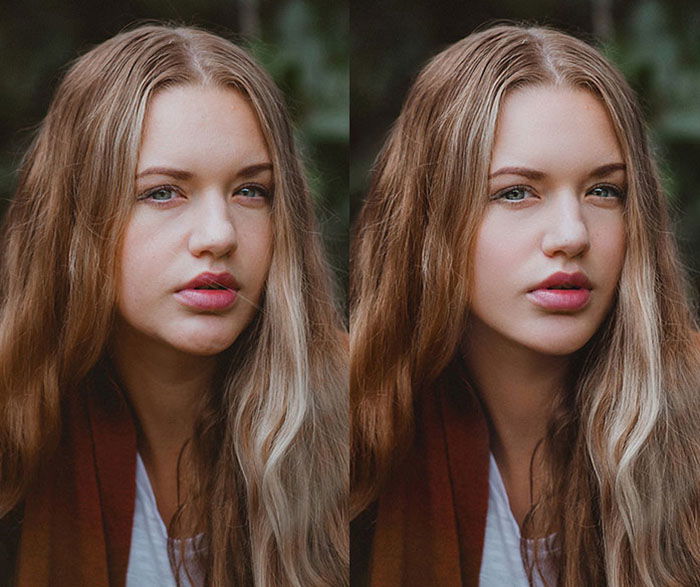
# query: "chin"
{"type": "Point", "coordinates": [205, 335]}
{"type": "Point", "coordinates": [559, 343]}
{"type": "Point", "coordinates": [204, 340]}
{"type": "Point", "coordinates": [205, 345]}
{"type": "Point", "coordinates": [202, 350]}
{"type": "Point", "coordinates": [556, 349]}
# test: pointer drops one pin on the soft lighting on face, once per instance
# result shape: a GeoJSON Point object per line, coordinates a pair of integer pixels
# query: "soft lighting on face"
{"type": "Point", "coordinates": [551, 245]}
{"type": "Point", "coordinates": [198, 245]}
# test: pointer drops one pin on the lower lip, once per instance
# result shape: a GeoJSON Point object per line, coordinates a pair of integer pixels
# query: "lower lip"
{"type": "Point", "coordinates": [207, 299]}
{"type": "Point", "coordinates": [568, 300]}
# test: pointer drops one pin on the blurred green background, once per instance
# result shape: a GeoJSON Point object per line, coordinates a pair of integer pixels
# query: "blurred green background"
{"type": "Point", "coordinates": [303, 43]}
{"type": "Point", "coordinates": [656, 45]}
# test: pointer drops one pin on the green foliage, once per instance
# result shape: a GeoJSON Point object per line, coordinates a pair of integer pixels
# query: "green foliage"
{"type": "Point", "coordinates": [312, 69]}
{"type": "Point", "coordinates": [658, 50]}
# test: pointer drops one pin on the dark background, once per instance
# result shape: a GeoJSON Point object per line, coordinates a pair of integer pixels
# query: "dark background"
{"type": "Point", "coordinates": [303, 43]}
{"type": "Point", "coordinates": [656, 45]}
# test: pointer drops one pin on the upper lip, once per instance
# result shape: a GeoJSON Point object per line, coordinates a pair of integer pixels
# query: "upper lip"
{"type": "Point", "coordinates": [560, 278]}
{"type": "Point", "coordinates": [223, 279]}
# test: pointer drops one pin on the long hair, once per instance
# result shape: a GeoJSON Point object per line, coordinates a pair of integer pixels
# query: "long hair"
{"type": "Point", "coordinates": [623, 452]}
{"type": "Point", "coordinates": [269, 453]}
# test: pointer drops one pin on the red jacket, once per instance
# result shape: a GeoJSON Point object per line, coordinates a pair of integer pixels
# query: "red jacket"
{"type": "Point", "coordinates": [78, 516]}
{"type": "Point", "coordinates": [429, 523]}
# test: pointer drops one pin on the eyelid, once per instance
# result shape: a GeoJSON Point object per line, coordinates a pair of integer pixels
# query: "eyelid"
{"type": "Point", "coordinates": [266, 192]}
{"type": "Point", "coordinates": [498, 195]}
{"type": "Point", "coordinates": [621, 191]}
{"type": "Point", "coordinates": [150, 191]}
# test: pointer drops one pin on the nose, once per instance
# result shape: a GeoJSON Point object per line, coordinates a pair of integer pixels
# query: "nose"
{"type": "Point", "coordinates": [213, 231]}
{"type": "Point", "coordinates": [566, 232]}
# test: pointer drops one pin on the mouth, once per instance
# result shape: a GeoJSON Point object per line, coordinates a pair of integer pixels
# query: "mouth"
{"type": "Point", "coordinates": [212, 281]}
{"type": "Point", "coordinates": [565, 281]}
{"type": "Point", "coordinates": [562, 292]}
{"type": "Point", "coordinates": [215, 286]}
{"type": "Point", "coordinates": [209, 292]}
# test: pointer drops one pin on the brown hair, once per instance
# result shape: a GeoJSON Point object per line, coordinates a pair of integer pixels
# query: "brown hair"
{"type": "Point", "coordinates": [269, 454]}
{"type": "Point", "coordinates": [624, 457]}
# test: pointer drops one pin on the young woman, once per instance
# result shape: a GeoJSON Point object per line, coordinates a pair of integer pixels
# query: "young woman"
{"type": "Point", "coordinates": [171, 361]}
{"type": "Point", "coordinates": [524, 364]}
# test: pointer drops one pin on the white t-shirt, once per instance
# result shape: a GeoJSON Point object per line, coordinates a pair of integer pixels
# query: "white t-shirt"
{"type": "Point", "coordinates": [501, 564]}
{"type": "Point", "coordinates": [149, 565]}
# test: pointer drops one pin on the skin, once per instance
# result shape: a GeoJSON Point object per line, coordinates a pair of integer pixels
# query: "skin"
{"type": "Point", "coordinates": [201, 204]}
{"type": "Point", "coordinates": [556, 201]}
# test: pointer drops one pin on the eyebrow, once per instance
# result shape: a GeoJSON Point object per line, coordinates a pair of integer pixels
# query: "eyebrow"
{"type": "Point", "coordinates": [533, 174]}
{"type": "Point", "coordinates": [169, 171]}
{"type": "Point", "coordinates": [253, 170]}
{"type": "Point", "coordinates": [182, 175]}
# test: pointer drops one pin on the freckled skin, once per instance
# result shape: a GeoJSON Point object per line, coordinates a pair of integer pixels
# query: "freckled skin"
{"type": "Point", "coordinates": [560, 219]}
{"type": "Point", "coordinates": [215, 219]}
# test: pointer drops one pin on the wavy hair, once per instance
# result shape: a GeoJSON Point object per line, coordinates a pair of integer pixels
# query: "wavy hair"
{"type": "Point", "coordinates": [623, 452]}
{"type": "Point", "coordinates": [269, 454]}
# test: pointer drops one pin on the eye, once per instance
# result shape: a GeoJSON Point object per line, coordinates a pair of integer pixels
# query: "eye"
{"type": "Point", "coordinates": [606, 191]}
{"type": "Point", "coordinates": [160, 194]}
{"type": "Point", "coordinates": [517, 193]}
{"type": "Point", "coordinates": [253, 191]}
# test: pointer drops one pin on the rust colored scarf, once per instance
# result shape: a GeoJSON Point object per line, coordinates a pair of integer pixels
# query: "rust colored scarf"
{"type": "Point", "coordinates": [431, 519]}
{"type": "Point", "coordinates": [78, 516]}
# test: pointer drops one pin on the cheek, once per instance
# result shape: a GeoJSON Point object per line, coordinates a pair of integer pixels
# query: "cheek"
{"type": "Point", "coordinates": [128, 293]}
{"type": "Point", "coordinates": [611, 244]}
{"type": "Point", "coordinates": [255, 250]}
{"type": "Point", "coordinates": [137, 259]}
{"type": "Point", "coordinates": [498, 253]}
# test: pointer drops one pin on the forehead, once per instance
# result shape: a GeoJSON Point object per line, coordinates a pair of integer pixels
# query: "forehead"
{"type": "Point", "coordinates": [193, 125]}
{"type": "Point", "coordinates": [554, 126]}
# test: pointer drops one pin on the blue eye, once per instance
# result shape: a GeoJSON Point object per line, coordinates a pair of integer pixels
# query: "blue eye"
{"type": "Point", "coordinates": [160, 194]}
{"type": "Point", "coordinates": [606, 191]}
{"type": "Point", "coordinates": [513, 194]}
{"type": "Point", "coordinates": [252, 191]}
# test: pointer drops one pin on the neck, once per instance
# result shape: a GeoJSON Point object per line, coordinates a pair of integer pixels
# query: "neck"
{"type": "Point", "coordinates": [165, 388]}
{"type": "Point", "coordinates": [519, 389]}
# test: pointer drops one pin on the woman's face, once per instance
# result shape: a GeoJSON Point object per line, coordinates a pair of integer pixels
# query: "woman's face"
{"type": "Point", "coordinates": [198, 245]}
{"type": "Point", "coordinates": [554, 220]}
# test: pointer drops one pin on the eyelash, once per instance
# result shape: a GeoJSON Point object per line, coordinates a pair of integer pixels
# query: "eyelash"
{"type": "Point", "coordinates": [618, 193]}
{"type": "Point", "coordinates": [161, 188]}
{"type": "Point", "coordinates": [263, 193]}
{"type": "Point", "coordinates": [500, 195]}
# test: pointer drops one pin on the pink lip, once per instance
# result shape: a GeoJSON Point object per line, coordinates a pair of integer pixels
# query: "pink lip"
{"type": "Point", "coordinates": [209, 299]}
{"type": "Point", "coordinates": [568, 300]}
